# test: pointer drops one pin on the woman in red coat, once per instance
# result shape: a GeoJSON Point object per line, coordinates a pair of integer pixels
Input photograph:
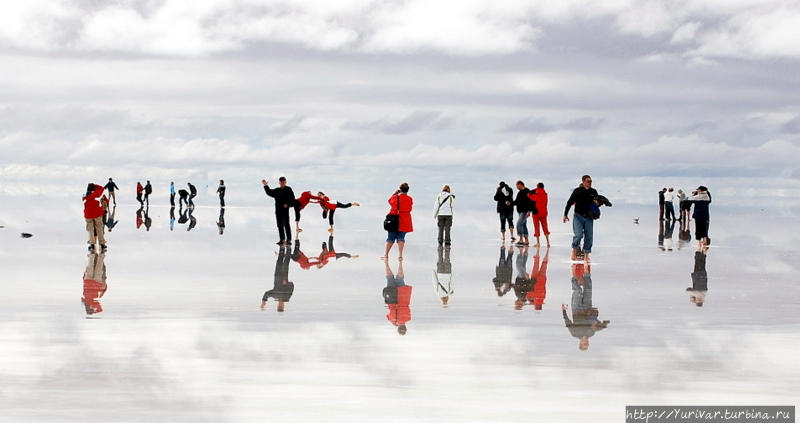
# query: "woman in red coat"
{"type": "Point", "coordinates": [401, 204]}
{"type": "Point", "coordinates": [539, 195]}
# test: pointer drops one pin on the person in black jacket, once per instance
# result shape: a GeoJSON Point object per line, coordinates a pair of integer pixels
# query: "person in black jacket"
{"type": "Point", "coordinates": [582, 223]}
{"type": "Point", "coordinates": [505, 208]}
{"type": "Point", "coordinates": [524, 208]}
{"type": "Point", "coordinates": [192, 193]}
{"type": "Point", "coordinates": [284, 200]}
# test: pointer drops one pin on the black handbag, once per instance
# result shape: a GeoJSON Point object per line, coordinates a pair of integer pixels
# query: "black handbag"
{"type": "Point", "coordinates": [392, 221]}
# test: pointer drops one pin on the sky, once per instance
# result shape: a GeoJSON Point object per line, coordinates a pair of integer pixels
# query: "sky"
{"type": "Point", "coordinates": [632, 91]}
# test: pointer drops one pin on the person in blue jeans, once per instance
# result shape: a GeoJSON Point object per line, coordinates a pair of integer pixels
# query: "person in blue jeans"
{"type": "Point", "coordinates": [524, 207]}
{"type": "Point", "coordinates": [582, 223]}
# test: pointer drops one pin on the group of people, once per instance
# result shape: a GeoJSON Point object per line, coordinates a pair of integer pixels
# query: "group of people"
{"type": "Point", "coordinates": [286, 200]}
{"type": "Point", "coordinates": [700, 199]}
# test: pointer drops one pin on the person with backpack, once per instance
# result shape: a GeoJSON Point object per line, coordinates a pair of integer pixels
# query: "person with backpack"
{"type": "Point", "coordinates": [443, 213]}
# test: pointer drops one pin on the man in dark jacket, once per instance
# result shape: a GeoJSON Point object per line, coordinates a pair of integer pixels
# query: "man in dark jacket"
{"type": "Point", "coordinates": [148, 189]}
{"type": "Point", "coordinates": [505, 208]}
{"type": "Point", "coordinates": [582, 223]}
{"type": "Point", "coordinates": [284, 200]}
{"type": "Point", "coordinates": [192, 193]}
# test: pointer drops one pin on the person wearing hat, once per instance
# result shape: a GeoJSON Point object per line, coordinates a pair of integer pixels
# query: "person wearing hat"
{"type": "Point", "coordinates": [284, 200]}
{"type": "Point", "coordinates": [701, 199]}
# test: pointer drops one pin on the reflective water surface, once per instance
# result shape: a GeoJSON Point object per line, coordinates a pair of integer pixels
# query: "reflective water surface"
{"type": "Point", "coordinates": [197, 315]}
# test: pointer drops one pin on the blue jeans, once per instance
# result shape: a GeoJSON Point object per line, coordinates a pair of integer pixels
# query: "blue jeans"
{"type": "Point", "coordinates": [522, 224]}
{"type": "Point", "coordinates": [582, 228]}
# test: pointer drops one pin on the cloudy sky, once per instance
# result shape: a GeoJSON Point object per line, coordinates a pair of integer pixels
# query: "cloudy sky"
{"type": "Point", "coordinates": [623, 89]}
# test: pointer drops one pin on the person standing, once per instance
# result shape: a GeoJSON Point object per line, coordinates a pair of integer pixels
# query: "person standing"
{"type": "Point", "coordinates": [582, 224]}
{"type": "Point", "coordinates": [284, 200]}
{"type": "Point", "coordinates": [221, 192]}
{"type": "Point", "coordinates": [139, 191]}
{"type": "Point", "coordinates": [669, 206]}
{"type": "Point", "coordinates": [111, 187]}
{"type": "Point", "coordinates": [172, 194]}
{"type": "Point", "coordinates": [93, 214]}
{"type": "Point", "coordinates": [539, 198]}
{"type": "Point", "coordinates": [443, 213]}
{"type": "Point", "coordinates": [504, 196]}
{"type": "Point", "coordinates": [401, 204]}
{"type": "Point", "coordinates": [183, 198]}
{"type": "Point", "coordinates": [148, 189]}
{"type": "Point", "coordinates": [524, 208]}
{"type": "Point", "coordinates": [661, 202]}
{"type": "Point", "coordinates": [192, 193]}
{"type": "Point", "coordinates": [701, 200]}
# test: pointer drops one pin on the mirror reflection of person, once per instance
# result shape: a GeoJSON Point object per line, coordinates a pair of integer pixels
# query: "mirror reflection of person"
{"type": "Point", "coordinates": [139, 218]}
{"type": "Point", "coordinates": [329, 252]}
{"type": "Point", "coordinates": [94, 283]}
{"type": "Point", "coordinates": [397, 297]}
{"type": "Point", "coordinates": [221, 220]}
{"type": "Point", "coordinates": [697, 292]}
{"type": "Point", "coordinates": [666, 230]}
{"type": "Point", "coordinates": [109, 218]}
{"type": "Point", "coordinates": [283, 289]}
{"type": "Point", "coordinates": [147, 220]}
{"type": "Point", "coordinates": [539, 276]}
{"type": "Point", "coordinates": [443, 276]}
{"type": "Point", "coordinates": [504, 271]}
{"type": "Point", "coordinates": [585, 322]}
{"type": "Point", "coordinates": [192, 220]}
{"type": "Point", "coordinates": [302, 259]}
{"type": "Point", "coordinates": [182, 217]}
{"type": "Point", "coordinates": [172, 218]}
{"type": "Point", "coordinates": [523, 284]}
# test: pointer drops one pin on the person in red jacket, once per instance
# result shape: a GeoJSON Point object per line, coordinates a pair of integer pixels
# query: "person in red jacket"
{"type": "Point", "coordinates": [397, 296]}
{"type": "Point", "coordinates": [93, 214]}
{"type": "Point", "coordinates": [139, 192]}
{"type": "Point", "coordinates": [539, 196]}
{"type": "Point", "coordinates": [329, 207]}
{"type": "Point", "coordinates": [401, 204]}
{"type": "Point", "coordinates": [300, 203]}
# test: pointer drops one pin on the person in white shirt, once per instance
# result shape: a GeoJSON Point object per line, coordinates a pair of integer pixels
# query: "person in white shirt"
{"type": "Point", "coordinates": [669, 198]}
{"type": "Point", "coordinates": [443, 212]}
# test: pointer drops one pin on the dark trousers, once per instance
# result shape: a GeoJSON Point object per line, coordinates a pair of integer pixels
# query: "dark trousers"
{"type": "Point", "coordinates": [222, 200]}
{"type": "Point", "coordinates": [172, 200]}
{"type": "Point", "coordinates": [445, 222]}
{"type": "Point", "coordinates": [284, 224]}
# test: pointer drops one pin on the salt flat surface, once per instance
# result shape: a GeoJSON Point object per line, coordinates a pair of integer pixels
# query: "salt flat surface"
{"type": "Point", "coordinates": [182, 337]}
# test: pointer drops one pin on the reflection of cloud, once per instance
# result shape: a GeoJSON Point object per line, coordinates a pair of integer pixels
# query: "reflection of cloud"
{"type": "Point", "coordinates": [539, 125]}
{"type": "Point", "coordinates": [417, 121]}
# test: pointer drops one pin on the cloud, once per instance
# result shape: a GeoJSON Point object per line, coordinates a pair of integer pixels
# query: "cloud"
{"type": "Point", "coordinates": [539, 125]}
{"type": "Point", "coordinates": [792, 126]}
{"type": "Point", "coordinates": [415, 122]}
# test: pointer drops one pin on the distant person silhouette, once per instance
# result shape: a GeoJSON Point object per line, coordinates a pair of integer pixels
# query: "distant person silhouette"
{"type": "Point", "coordinates": [111, 187]}
{"type": "Point", "coordinates": [221, 192]}
{"type": "Point", "coordinates": [183, 198]}
{"type": "Point", "coordinates": [192, 193]}
{"type": "Point", "coordinates": [148, 189]}
{"type": "Point", "coordinates": [139, 192]}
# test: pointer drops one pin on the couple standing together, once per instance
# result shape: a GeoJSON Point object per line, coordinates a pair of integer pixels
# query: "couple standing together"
{"type": "Point", "coordinates": [529, 203]}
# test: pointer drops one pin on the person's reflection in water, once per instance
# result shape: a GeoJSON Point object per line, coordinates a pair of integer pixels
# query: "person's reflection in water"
{"type": "Point", "coordinates": [147, 221]}
{"type": "Point", "coordinates": [300, 258]}
{"type": "Point", "coordinates": [182, 218]}
{"type": "Point", "coordinates": [329, 252]}
{"type": "Point", "coordinates": [539, 276]}
{"type": "Point", "coordinates": [684, 234]}
{"type": "Point", "coordinates": [503, 271]}
{"type": "Point", "coordinates": [94, 283]}
{"type": "Point", "coordinates": [660, 235]}
{"type": "Point", "coordinates": [523, 285]}
{"type": "Point", "coordinates": [699, 288]}
{"type": "Point", "coordinates": [397, 296]}
{"type": "Point", "coordinates": [110, 222]}
{"type": "Point", "coordinates": [221, 219]}
{"type": "Point", "coordinates": [139, 219]}
{"type": "Point", "coordinates": [192, 220]}
{"type": "Point", "coordinates": [283, 289]}
{"type": "Point", "coordinates": [584, 323]}
{"type": "Point", "coordinates": [172, 218]}
{"type": "Point", "coordinates": [669, 228]}
{"type": "Point", "coordinates": [443, 276]}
